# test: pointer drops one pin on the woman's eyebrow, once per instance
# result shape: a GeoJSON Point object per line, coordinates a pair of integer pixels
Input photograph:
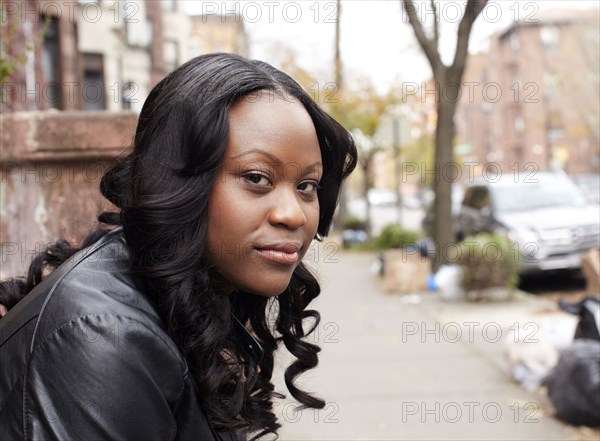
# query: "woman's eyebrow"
{"type": "Point", "coordinates": [315, 166]}
{"type": "Point", "coordinates": [275, 160]}
{"type": "Point", "coordinates": [272, 157]}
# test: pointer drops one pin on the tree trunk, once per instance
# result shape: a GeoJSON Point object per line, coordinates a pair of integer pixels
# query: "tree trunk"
{"type": "Point", "coordinates": [447, 98]}
{"type": "Point", "coordinates": [367, 186]}
{"type": "Point", "coordinates": [444, 136]}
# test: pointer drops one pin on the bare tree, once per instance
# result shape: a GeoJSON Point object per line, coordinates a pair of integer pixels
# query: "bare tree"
{"type": "Point", "coordinates": [367, 149]}
{"type": "Point", "coordinates": [447, 79]}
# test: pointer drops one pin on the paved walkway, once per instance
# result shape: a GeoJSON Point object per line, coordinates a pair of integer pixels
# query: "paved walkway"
{"type": "Point", "coordinates": [396, 367]}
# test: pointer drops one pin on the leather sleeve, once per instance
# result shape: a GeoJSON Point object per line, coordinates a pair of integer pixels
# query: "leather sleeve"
{"type": "Point", "coordinates": [102, 377]}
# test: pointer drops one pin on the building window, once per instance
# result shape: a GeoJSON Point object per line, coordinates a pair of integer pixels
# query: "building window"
{"type": "Point", "coordinates": [550, 37]}
{"type": "Point", "coordinates": [51, 62]}
{"type": "Point", "coordinates": [555, 119]}
{"type": "Point", "coordinates": [488, 142]}
{"type": "Point", "coordinates": [195, 49]}
{"type": "Point", "coordinates": [555, 126]}
{"type": "Point", "coordinates": [138, 33]}
{"type": "Point", "coordinates": [514, 42]}
{"type": "Point", "coordinates": [519, 153]}
{"type": "Point", "coordinates": [137, 26]}
{"type": "Point", "coordinates": [128, 93]}
{"type": "Point", "coordinates": [551, 85]}
{"type": "Point", "coordinates": [94, 95]}
{"type": "Point", "coordinates": [171, 55]}
{"type": "Point", "coordinates": [486, 107]}
{"type": "Point", "coordinates": [168, 5]}
{"type": "Point", "coordinates": [519, 124]}
{"type": "Point", "coordinates": [514, 77]}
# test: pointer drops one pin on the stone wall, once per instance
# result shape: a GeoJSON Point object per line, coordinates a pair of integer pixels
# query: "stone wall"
{"type": "Point", "coordinates": [51, 163]}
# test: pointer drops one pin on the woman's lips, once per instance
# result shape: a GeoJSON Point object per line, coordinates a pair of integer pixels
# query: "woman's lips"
{"type": "Point", "coordinates": [286, 253]}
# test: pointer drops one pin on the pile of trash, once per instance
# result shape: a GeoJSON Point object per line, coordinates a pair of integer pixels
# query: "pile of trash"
{"type": "Point", "coordinates": [448, 281]}
{"type": "Point", "coordinates": [574, 383]}
{"type": "Point", "coordinates": [569, 368]}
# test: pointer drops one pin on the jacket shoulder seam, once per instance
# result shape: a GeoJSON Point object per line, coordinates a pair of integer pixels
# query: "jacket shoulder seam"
{"type": "Point", "coordinates": [131, 319]}
{"type": "Point", "coordinates": [180, 360]}
{"type": "Point", "coordinates": [55, 285]}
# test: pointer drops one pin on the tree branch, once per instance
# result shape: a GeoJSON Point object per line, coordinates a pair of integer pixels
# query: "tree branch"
{"type": "Point", "coordinates": [436, 26]}
{"type": "Point", "coordinates": [472, 10]}
{"type": "Point", "coordinates": [428, 45]}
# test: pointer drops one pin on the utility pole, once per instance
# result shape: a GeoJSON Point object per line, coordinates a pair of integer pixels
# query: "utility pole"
{"type": "Point", "coordinates": [342, 207]}
{"type": "Point", "coordinates": [338, 59]}
{"type": "Point", "coordinates": [396, 135]}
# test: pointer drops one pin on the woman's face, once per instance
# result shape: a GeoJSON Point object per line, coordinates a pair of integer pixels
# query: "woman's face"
{"type": "Point", "coordinates": [264, 210]}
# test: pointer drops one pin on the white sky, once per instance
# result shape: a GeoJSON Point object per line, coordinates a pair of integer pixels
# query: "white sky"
{"type": "Point", "coordinates": [376, 39]}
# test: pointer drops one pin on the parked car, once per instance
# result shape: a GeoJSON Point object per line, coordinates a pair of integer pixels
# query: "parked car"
{"type": "Point", "coordinates": [546, 217]}
{"type": "Point", "coordinates": [589, 185]}
{"type": "Point", "coordinates": [457, 194]}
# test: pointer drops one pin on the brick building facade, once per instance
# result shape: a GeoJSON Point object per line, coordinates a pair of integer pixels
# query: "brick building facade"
{"type": "Point", "coordinates": [89, 55]}
{"type": "Point", "coordinates": [531, 102]}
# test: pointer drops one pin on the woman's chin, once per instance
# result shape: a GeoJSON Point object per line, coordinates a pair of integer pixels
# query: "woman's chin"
{"type": "Point", "coordinates": [265, 289]}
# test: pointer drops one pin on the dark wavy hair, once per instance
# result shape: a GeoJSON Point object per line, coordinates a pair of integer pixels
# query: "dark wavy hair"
{"type": "Point", "coordinates": [162, 188]}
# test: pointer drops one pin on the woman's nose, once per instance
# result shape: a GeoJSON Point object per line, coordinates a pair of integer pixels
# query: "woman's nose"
{"type": "Point", "coordinates": [287, 210]}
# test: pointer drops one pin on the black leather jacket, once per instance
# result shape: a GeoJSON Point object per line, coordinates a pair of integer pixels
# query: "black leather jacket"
{"type": "Point", "coordinates": [84, 356]}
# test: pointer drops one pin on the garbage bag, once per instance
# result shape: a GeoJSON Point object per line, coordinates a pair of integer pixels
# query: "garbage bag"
{"type": "Point", "coordinates": [588, 310]}
{"type": "Point", "coordinates": [448, 281]}
{"type": "Point", "coordinates": [574, 384]}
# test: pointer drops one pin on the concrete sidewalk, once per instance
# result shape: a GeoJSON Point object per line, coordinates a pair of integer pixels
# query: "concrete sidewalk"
{"type": "Point", "coordinates": [396, 367]}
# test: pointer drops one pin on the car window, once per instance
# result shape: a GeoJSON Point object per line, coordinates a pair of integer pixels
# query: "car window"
{"type": "Point", "coordinates": [532, 196]}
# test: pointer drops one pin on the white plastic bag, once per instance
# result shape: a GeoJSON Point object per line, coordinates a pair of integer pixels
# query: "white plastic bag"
{"type": "Point", "coordinates": [448, 281]}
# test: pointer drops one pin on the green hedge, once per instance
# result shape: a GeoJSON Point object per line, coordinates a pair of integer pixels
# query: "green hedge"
{"type": "Point", "coordinates": [394, 236]}
{"type": "Point", "coordinates": [353, 223]}
{"type": "Point", "coordinates": [487, 261]}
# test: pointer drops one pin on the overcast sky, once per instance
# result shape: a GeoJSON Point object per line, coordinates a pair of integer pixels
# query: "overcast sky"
{"type": "Point", "coordinates": [376, 39]}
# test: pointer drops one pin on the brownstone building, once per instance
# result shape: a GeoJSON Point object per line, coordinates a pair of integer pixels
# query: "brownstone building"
{"type": "Point", "coordinates": [531, 102]}
{"type": "Point", "coordinates": [88, 55]}
{"type": "Point", "coordinates": [218, 33]}
{"type": "Point", "coordinates": [75, 56]}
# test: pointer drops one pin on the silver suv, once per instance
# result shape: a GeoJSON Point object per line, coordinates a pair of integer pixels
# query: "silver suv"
{"type": "Point", "coordinates": [545, 216]}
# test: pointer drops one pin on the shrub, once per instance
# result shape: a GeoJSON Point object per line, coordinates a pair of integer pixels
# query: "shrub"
{"type": "Point", "coordinates": [353, 223]}
{"type": "Point", "coordinates": [488, 261]}
{"type": "Point", "coordinates": [394, 236]}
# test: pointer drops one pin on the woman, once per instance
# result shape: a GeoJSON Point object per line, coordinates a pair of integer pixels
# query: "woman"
{"type": "Point", "coordinates": [165, 326]}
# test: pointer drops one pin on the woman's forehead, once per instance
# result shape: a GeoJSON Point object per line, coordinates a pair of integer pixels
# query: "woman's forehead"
{"type": "Point", "coordinates": [271, 123]}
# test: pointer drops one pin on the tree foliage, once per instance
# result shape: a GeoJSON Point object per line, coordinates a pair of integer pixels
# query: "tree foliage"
{"type": "Point", "coordinates": [10, 27]}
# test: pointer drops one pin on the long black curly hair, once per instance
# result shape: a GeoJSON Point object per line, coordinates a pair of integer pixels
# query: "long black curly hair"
{"type": "Point", "coordinates": [162, 188]}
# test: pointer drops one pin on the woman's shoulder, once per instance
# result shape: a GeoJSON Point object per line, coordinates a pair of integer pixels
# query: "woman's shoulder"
{"type": "Point", "coordinates": [88, 337]}
{"type": "Point", "coordinates": [96, 283]}
{"type": "Point", "coordinates": [91, 292]}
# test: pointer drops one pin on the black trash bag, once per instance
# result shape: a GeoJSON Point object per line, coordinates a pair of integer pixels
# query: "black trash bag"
{"type": "Point", "coordinates": [588, 311]}
{"type": "Point", "coordinates": [574, 384]}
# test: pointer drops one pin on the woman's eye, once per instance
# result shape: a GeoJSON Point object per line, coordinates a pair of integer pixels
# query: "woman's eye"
{"type": "Point", "coordinates": [309, 187]}
{"type": "Point", "coordinates": [257, 178]}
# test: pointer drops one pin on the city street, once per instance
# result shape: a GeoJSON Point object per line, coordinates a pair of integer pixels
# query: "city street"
{"type": "Point", "coordinates": [382, 215]}
{"type": "Point", "coordinates": [405, 367]}
{"type": "Point", "coordinates": [221, 135]}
